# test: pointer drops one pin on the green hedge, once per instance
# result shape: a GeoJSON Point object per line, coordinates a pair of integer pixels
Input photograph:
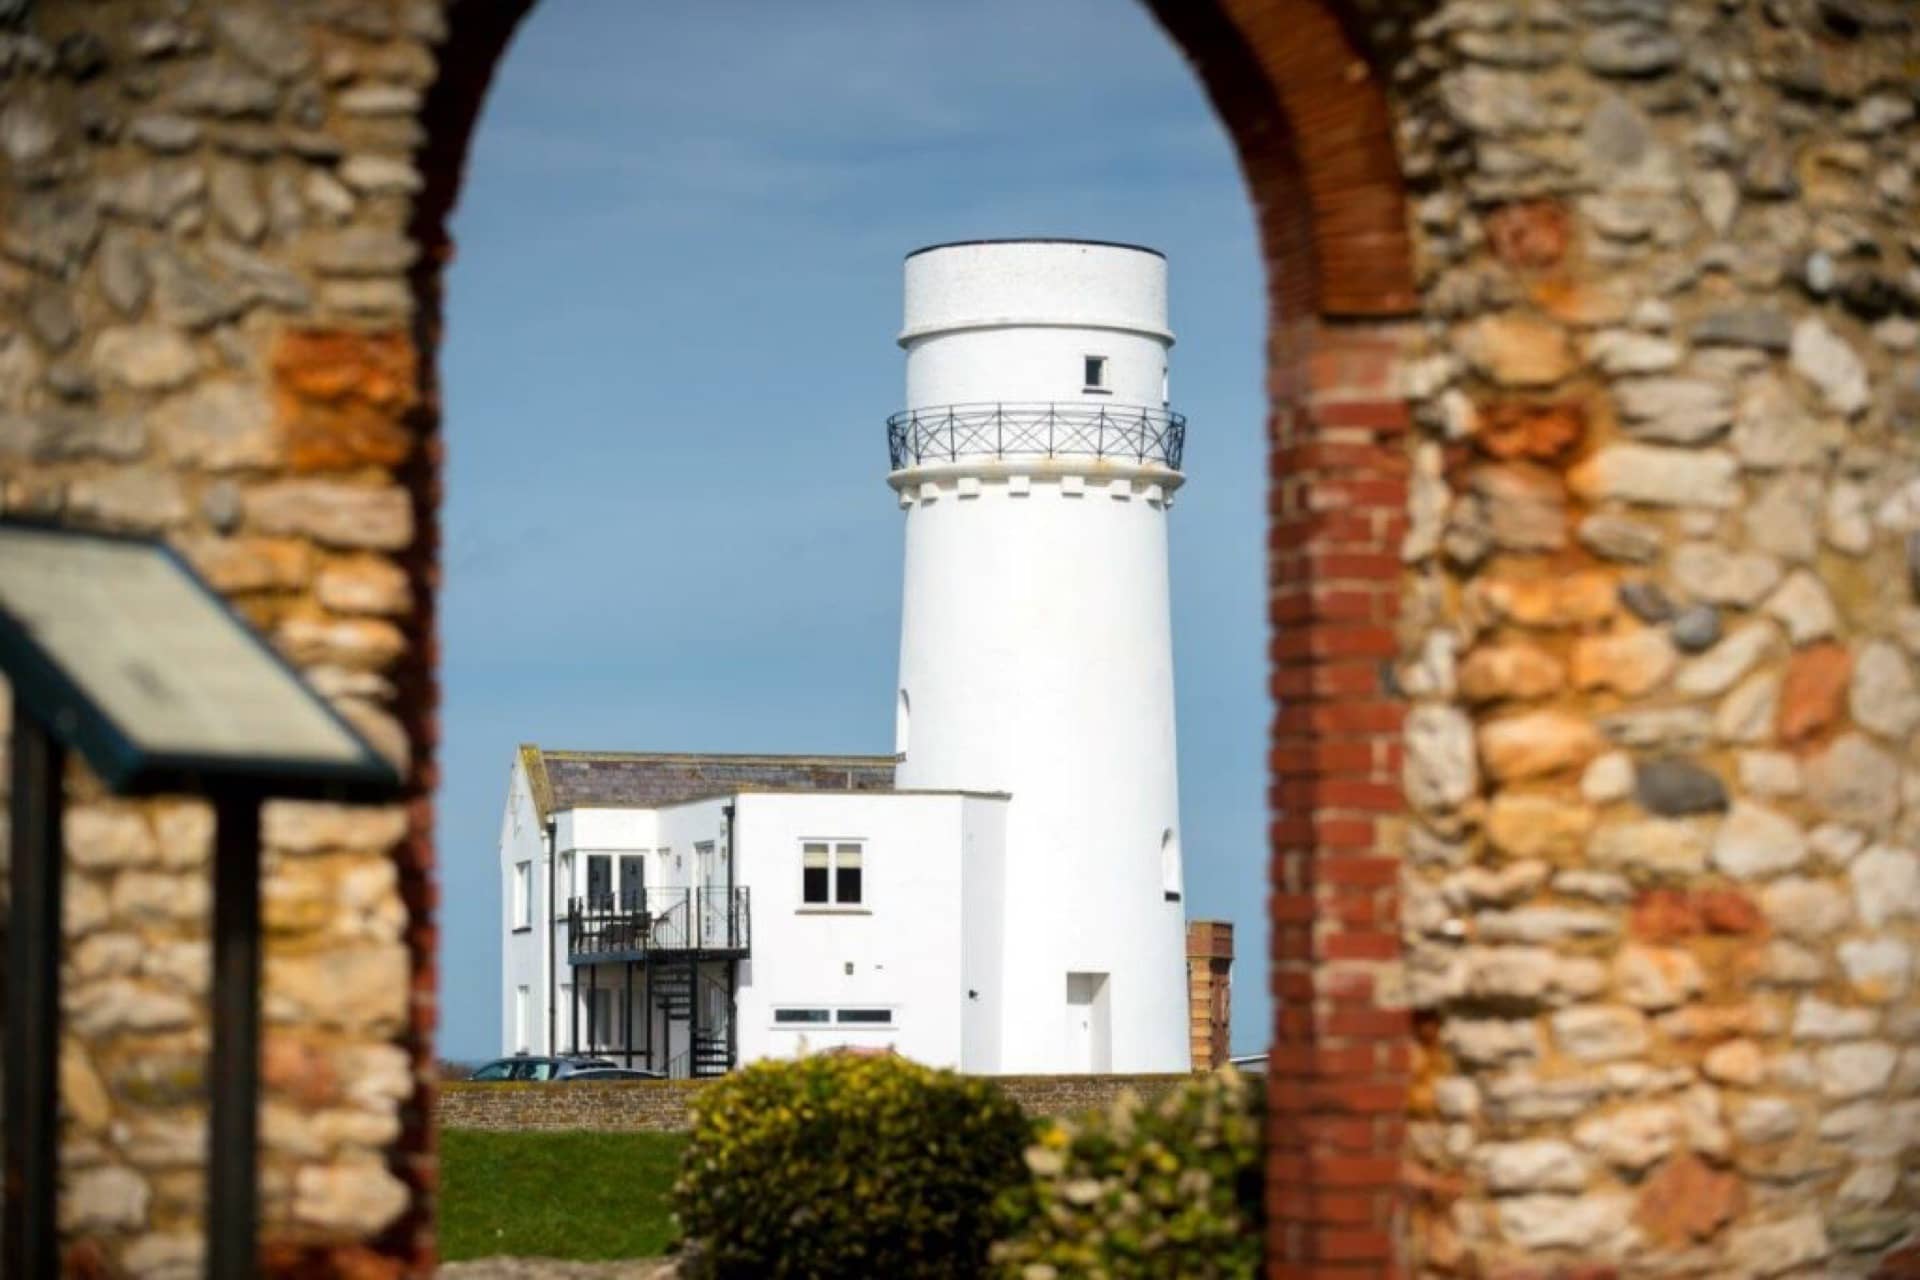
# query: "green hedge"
{"type": "Point", "coordinates": [842, 1165]}
{"type": "Point", "coordinates": [1171, 1189]}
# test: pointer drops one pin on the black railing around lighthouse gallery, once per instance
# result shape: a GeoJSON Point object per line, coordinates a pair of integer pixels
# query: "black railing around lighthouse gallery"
{"type": "Point", "coordinates": [1028, 430]}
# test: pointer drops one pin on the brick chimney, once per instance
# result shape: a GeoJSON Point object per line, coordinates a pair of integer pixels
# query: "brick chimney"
{"type": "Point", "coordinates": [1209, 990]}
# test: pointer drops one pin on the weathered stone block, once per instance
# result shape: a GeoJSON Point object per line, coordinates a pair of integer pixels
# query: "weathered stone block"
{"type": "Point", "coordinates": [1755, 842]}
{"type": "Point", "coordinates": [1533, 825]}
{"type": "Point", "coordinates": [1536, 744]}
{"type": "Point", "coordinates": [334, 514]}
{"type": "Point", "coordinates": [1653, 978]}
{"type": "Point", "coordinates": [1600, 1033]}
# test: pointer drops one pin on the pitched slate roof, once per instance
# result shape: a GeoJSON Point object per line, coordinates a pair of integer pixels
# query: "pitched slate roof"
{"type": "Point", "coordinates": [648, 780]}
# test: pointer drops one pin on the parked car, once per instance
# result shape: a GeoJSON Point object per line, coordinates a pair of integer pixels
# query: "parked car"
{"type": "Point", "coordinates": [530, 1067]}
{"type": "Point", "coordinates": [616, 1073]}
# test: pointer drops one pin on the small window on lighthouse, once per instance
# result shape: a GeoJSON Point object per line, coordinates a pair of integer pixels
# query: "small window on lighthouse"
{"type": "Point", "coordinates": [902, 723]}
{"type": "Point", "coordinates": [1096, 373]}
{"type": "Point", "coordinates": [1170, 865]}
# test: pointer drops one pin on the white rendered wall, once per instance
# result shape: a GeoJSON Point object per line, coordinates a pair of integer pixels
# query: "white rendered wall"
{"type": "Point", "coordinates": [1013, 321]}
{"type": "Point", "coordinates": [1036, 644]}
{"type": "Point", "coordinates": [901, 948]}
{"type": "Point", "coordinates": [522, 840]}
{"type": "Point", "coordinates": [983, 887]}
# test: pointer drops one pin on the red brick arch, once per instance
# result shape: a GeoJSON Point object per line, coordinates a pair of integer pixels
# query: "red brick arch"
{"type": "Point", "coordinates": [1310, 120]}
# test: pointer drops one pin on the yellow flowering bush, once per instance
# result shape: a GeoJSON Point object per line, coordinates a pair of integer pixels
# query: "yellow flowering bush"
{"type": "Point", "coordinates": [1170, 1189]}
{"type": "Point", "coordinates": [842, 1165]}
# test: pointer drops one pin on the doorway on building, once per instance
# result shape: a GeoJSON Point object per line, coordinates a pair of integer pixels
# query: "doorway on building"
{"type": "Point", "coordinates": [599, 882]}
{"type": "Point", "coordinates": [633, 880]}
{"type": "Point", "coordinates": [714, 878]}
{"type": "Point", "coordinates": [1089, 1026]}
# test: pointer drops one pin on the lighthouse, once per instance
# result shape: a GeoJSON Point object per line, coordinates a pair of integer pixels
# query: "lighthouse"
{"type": "Point", "coordinates": [1036, 460]}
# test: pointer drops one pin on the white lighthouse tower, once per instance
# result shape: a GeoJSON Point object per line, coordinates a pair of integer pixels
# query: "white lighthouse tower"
{"type": "Point", "coordinates": [1036, 460]}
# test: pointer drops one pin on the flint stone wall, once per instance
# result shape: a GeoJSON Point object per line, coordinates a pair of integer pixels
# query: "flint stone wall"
{"type": "Point", "coordinates": [208, 331]}
{"type": "Point", "coordinates": [1659, 892]}
{"type": "Point", "coordinates": [1593, 932]}
{"type": "Point", "coordinates": [663, 1106]}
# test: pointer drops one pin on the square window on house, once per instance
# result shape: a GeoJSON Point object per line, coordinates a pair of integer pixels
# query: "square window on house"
{"type": "Point", "coordinates": [831, 873]}
{"type": "Point", "coordinates": [814, 872]}
{"type": "Point", "coordinates": [1096, 373]}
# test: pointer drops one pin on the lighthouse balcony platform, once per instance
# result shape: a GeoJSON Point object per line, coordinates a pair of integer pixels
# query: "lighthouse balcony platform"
{"type": "Point", "coordinates": [679, 922]}
{"type": "Point", "coordinates": [1020, 431]}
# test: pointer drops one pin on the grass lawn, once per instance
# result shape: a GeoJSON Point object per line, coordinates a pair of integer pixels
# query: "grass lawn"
{"type": "Point", "coordinates": [584, 1196]}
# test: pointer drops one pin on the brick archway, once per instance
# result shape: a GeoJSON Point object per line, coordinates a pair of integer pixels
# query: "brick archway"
{"type": "Point", "coordinates": [1311, 124]}
{"type": "Point", "coordinates": [1606, 959]}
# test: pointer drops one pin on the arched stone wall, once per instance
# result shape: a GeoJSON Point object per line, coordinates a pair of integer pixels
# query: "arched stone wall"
{"type": "Point", "coordinates": [1593, 519]}
{"type": "Point", "coordinates": [1308, 112]}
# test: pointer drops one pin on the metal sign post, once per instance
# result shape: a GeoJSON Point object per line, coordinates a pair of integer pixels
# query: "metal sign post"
{"type": "Point", "coordinates": [116, 651]}
{"type": "Point", "coordinates": [33, 1000]}
{"type": "Point", "coordinates": [232, 1190]}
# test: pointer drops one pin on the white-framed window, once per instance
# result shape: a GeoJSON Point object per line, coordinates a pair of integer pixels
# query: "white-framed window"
{"type": "Point", "coordinates": [1095, 371]}
{"type": "Point", "coordinates": [832, 872]}
{"type": "Point", "coordinates": [599, 882]}
{"type": "Point", "coordinates": [793, 1017]}
{"type": "Point", "coordinates": [522, 1019]}
{"type": "Point", "coordinates": [867, 1015]}
{"type": "Point", "coordinates": [566, 890]}
{"type": "Point", "coordinates": [522, 896]}
{"type": "Point", "coordinates": [814, 1015]}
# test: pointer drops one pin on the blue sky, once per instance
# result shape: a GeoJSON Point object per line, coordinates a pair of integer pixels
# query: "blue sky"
{"type": "Point", "coordinates": [669, 361]}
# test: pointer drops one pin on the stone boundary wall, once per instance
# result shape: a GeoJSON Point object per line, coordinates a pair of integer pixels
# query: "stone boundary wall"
{"type": "Point", "coordinates": [663, 1106]}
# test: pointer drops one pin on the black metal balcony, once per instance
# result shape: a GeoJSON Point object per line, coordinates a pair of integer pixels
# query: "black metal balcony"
{"type": "Point", "coordinates": [1117, 433]}
{"type": "Point", "coordinates": [671, 921]}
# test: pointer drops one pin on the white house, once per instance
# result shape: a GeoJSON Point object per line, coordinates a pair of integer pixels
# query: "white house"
{"type": "Point", "coordinates": [1003, 893]}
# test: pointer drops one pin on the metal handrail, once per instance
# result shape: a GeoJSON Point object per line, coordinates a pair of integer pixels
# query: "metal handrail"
{"type": "Point", "coordinates": [1043, 429]}
{"type": "Point", "coordinates": [676, 918]}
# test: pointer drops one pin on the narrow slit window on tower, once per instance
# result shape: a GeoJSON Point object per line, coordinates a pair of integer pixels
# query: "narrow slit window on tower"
{"type": "Point", "coordinates": [1096, 370]}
